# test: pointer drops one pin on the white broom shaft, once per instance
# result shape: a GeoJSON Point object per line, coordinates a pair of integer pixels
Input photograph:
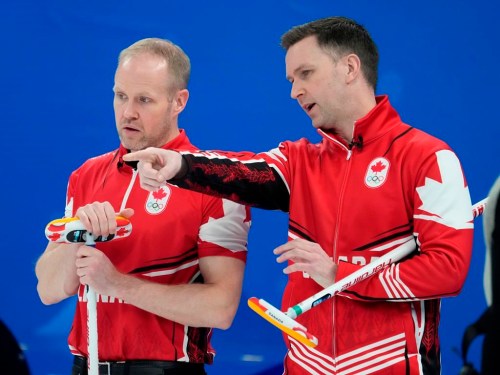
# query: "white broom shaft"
{"type": "Point", "coordinates": [478, 208]}
{"type": "Point", "coordinates": [93, 356]}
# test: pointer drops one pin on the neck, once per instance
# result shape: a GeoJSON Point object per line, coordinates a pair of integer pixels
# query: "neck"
{"type": "Point", "coordinates": [359, 109]}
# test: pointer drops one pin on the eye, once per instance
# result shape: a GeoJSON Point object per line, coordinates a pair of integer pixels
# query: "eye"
{"type": "Point", "coordinates": [305, 73]}
{"type": "Point", "coordinates": [144, 99]}
{"type": "Point", "coordinates": [120, 96]}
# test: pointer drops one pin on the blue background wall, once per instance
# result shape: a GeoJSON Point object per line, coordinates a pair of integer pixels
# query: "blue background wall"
{"type": "Point", "coordinates": [439, 63]}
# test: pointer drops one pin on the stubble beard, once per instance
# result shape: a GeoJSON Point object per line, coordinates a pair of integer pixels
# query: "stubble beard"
{"type": "Point", "coordinates": [134, 145]}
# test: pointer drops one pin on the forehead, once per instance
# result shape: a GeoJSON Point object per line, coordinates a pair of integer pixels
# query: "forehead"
{"type": "Point", "coordinates": [142, 72]}
{"type": "Point", "coordinates": [306, 52]}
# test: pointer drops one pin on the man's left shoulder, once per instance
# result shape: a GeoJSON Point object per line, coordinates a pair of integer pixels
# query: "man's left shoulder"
{"type": "Point", "coordinates": [426, 142]}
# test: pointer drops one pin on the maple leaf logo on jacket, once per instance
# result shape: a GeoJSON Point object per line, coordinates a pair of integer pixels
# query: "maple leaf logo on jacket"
{"type": "Point", "coordinates": [376, 173]}
{"type": "Point", "coordinates": [157, 200]}
{"type": "Point", "coordinates": [439, 197]}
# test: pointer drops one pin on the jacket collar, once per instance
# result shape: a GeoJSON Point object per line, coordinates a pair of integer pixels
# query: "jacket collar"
{"type": "Point", "coordinates": [382, 118]}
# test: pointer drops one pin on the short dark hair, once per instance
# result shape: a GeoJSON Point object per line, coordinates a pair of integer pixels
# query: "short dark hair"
{"type": "Point", "coordinates": [339, 36]}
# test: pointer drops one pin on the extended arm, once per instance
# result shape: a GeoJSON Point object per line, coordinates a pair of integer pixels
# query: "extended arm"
{"type": "Point", "coordinates": [244, 177]}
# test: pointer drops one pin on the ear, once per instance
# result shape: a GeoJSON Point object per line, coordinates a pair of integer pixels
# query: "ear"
{"type": "Point", "coordinates": [180, 100]}
{"type": "Point", "coordinates": [353, 64]}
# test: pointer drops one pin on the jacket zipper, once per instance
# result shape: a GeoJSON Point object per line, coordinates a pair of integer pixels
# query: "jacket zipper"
{"type": "Point", "coordinates": [349, 153]}
{"type": "Point", "coordinates": [129, 189]}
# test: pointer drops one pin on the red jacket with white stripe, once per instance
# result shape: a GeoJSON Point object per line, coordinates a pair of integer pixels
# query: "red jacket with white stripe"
{"type": "Point", "coordinates": [359, 202]}
{"type": "Point", "coordinates": [171, 229]}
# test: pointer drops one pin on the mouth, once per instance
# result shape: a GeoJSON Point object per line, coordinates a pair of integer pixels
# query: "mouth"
{"type": "Point", "coordinates": [308, 107]}
{"type": "Point", "coordinates": [130, 129]}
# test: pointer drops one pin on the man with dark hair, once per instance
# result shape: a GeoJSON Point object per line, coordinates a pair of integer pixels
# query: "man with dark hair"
{"type": "Point", "coordinates": [371, 184]}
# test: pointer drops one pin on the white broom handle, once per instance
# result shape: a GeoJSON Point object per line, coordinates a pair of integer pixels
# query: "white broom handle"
{"type": "Point", "coordinates": [92, 338]}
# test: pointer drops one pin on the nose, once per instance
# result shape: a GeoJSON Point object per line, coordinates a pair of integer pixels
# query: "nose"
{"type": "Point", "coordinates": [296, 91]}
{"type": "Point", "coordinates": [130, 111]}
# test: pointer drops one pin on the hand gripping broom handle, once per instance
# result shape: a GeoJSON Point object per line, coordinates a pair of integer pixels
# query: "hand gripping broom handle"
{"type": "Point", "coordinates": [71, 230]}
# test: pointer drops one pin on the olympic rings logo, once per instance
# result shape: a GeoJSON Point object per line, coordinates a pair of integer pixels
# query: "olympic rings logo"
{"type": "Point", "coordinates": [155, 206]}
{"type": "Point", "coordinates": [377, 172]}
{"type": "Point", "coordinates": [157, 200]}
{"type": "Point", "coordinates": [375, 179]}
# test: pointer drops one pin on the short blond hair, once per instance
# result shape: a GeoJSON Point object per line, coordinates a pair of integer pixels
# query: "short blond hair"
{"type": "Point", "coordinates": [177, 61]}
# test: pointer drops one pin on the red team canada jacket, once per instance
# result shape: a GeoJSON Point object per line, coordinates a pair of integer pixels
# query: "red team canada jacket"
{"type": "Point", "coordinates": [358, 202]}
{"type": "Point", "coordinates": [171, 229]}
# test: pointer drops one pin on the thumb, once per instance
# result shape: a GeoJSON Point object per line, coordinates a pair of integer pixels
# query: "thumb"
{"type": "Point", "coordinates": [127, 212]}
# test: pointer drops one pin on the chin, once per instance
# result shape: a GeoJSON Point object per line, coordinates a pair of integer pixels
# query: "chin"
{"type": "Point", "coordinates": [132, 145]}
{"type": "Point", "coordinates": [316, 125]}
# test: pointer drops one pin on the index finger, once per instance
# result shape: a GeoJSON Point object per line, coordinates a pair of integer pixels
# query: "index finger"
{"type": "Point", "coordinates": [141, 155]}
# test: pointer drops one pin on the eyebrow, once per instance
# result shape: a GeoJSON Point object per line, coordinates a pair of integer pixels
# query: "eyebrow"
{"type": "Point", "coordinates": [300, 67]}
{"type": "Point", "coordinates": [140, 94]}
